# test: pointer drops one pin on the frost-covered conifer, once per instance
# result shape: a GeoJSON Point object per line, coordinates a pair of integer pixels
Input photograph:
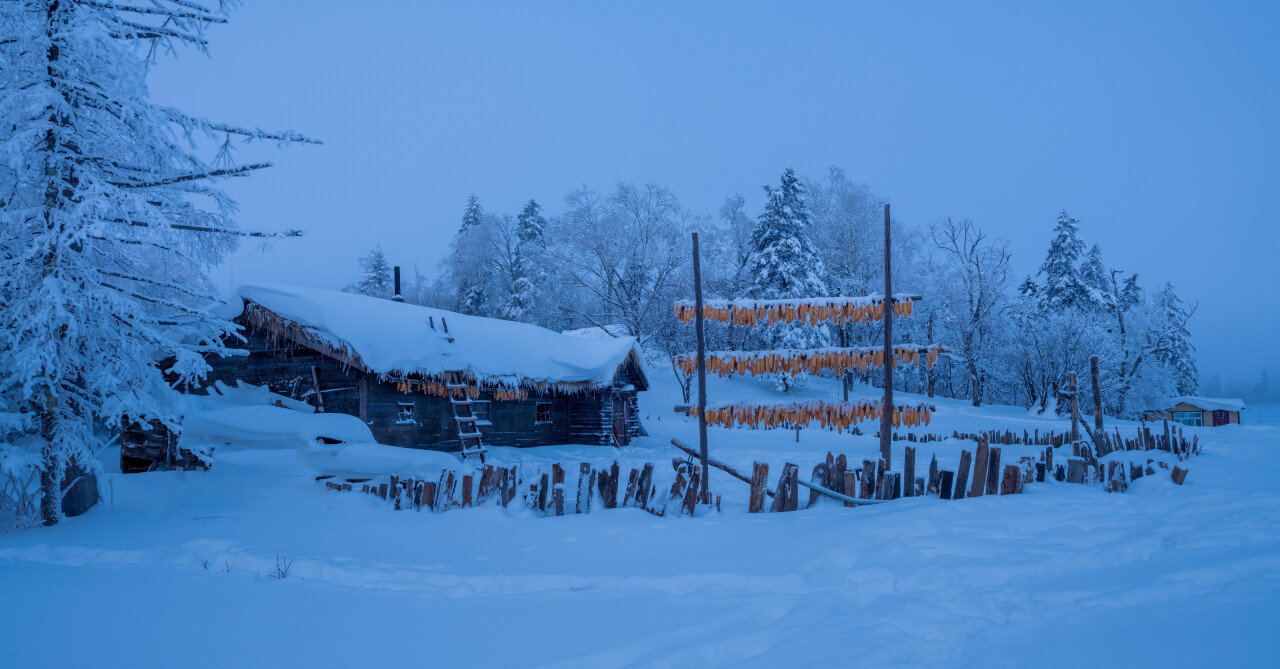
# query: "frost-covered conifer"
{"type": "Point", "coordinates": [1178, 353]}
{"type": "Point", "coordinates": [526, 262]}
{"type": "Point", "coordinates": [375, 275]}
{"type": "Point", "coordinates": [1062, 286]}
{"type": "Point", "coordinates": [108, 221]}
{"type": "Point", "coordinates": [784, 264]}
{"type": "Point", "coordinates": [1096, 280]}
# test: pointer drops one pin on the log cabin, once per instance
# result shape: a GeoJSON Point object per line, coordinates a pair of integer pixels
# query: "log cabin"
{"type": "Point", "coordinates": [433, 379]}
{"type": "Point", "coordinates": [1200, 411]}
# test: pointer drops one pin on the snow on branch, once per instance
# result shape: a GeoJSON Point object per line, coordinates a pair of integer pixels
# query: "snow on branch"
{"type": "Point", "coordinates": [203, 228]}
{"type": "Point", "coordinates": [230, 171]}
{"type": "Point", "coordinates": [205, 15]}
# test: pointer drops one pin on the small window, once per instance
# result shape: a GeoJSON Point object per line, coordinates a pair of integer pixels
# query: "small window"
{"type": "Point", "coordinates": [480, 409]}
{"type": "Point", "coordinates": [404, 413]}
{"type": "Point", "coordinates": [1192, 418]}
{"type": "Point", "coordinates": [544, 412]}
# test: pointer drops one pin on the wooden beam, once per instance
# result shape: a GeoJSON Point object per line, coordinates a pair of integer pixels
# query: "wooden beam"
{"type": "Point", "coordinates": [886, 417]}
{"type": "Point", "coordinates": [702, 370]}
{"type": "Point", "coordinates": [717, 464]}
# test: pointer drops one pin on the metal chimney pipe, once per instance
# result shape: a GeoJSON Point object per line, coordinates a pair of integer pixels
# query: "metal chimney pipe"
{"type": "Point", "coordinates": [397, 296]}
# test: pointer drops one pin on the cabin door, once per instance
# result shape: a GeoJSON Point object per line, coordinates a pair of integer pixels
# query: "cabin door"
{"type": "Point", "coordinates": [620, 437]}
{"type": "Point", "coordinates": [1221, 417]}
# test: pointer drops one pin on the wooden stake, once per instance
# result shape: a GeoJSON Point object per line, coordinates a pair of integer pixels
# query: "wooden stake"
{"type": "Point", "coordinates": [962, 476]}
{"type": "Point", "coordinates": [759, 479]}
{"type": "Point", "coordinates": [1075, 408]}
{"type": "Point", "coordinates": [315, 383]}
{"type": "Point", "coordinates": [886, 417]}
{"type": "Point", "coordinates": [1097, 395]}
{"type": "Point", "coordinates": [993, 471]}
{"type": "Point", "coordinates": [980, 468]}
{"type": "Point", "coordinates": [909, 471]}
{"type": "Point", "coordinates": [702, 368]}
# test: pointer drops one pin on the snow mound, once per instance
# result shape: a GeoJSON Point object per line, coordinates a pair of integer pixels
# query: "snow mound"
{"type": "Point", "coordinates": [259, 427]}
{"type": "Point", "coordinates": [369, 459]}
{"type": "Point", "coordinates": [395, 338]}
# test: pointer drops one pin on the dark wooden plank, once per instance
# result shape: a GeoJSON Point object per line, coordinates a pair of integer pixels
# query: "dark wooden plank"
{"type": "Point", "coordinates": [980, 468]}
{"type": "Point", "coordinates": [632, 480]}
{"type": "Point", "coordinates": [1075, 470]}
{"type": "Point", "coordinates": [868, 480]}
{"type": "Point", "coordinates": [993, 471]}
{"type": "Point", "coordinates": [837, 475]}
{"type": "Point", "coordinates": [557, 488]}
{"type": "Point", "coordinates": [933, 485]}
{"type": "Point", "coordinates": [945, 479]}
{"type": "Point", "coordinates": [466, 490]}
{"type": "Point", "coordinates": [1011, 483]}
{"type": "Point", "coordinates": [644, 487]}
{"type": "Point", "coordinates": [850, 484]}
{"type": "Point", "coordinates": [759, 479]}
{"type": "Point", "coordinates": [962, 475]}
{"type": "Point", "coordinates": [1178, 475]}
{"type": "Point", "coordinates": [583, 501]}
{"type": "Point", "coordinates": [908, 471]}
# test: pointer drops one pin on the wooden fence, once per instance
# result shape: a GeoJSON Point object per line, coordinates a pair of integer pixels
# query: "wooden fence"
{"type": "Point", "coordinates": [541, 490]}
{"type": "Point", "coordinates": [980, 472]}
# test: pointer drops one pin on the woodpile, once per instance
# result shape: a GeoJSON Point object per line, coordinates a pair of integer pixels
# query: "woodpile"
{"type": "Point", "coordinates": [814, 311]}
{"type": "Point", "coordinates": [812, 361]}
{"type": "Point", "coordinates": [839, 416]}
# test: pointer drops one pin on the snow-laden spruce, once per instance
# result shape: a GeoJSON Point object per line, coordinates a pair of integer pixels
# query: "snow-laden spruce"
{"type": "Point", "coordinates": [108, 220]}
{"type": "Point", "coordinates": [783, 264]}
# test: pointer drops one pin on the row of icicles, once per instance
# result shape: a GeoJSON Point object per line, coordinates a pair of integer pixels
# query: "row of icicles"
{"type": "Point", "coordinates": [813, 361]}
{"type": "Point", "coordinates": [839, 416]}
{"type": "Point", "coordinates": [802, 313]}
{"type": "Point", "coordinates": [439, 389]}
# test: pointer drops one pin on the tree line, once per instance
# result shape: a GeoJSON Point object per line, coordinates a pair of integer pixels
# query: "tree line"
{"type": "Point", "coordinates": [619, 260]}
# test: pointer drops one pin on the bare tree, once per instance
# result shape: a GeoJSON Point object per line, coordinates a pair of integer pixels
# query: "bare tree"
{"type": "Point", "coordinates": [980, 268]}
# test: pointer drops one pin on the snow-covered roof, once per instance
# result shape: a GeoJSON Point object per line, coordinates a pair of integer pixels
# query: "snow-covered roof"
{"type": "Point", "coordinates": [396, 339]}
{"type": "Point", "coordinates": [1209, 403]}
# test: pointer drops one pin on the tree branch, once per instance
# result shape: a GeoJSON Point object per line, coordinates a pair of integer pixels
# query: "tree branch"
{"type": "Point", "coordinates": [231, 171]}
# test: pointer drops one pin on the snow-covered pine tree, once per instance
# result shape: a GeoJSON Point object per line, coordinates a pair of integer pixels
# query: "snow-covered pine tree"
{"type": "Point", "coordinates": [471, 215]}
{"type": "Point", "coordinates": [784, 265]}
{"type": "Point", "coordinates": [1178, 352]}
{"type": "Point", "coordinates": [108, 221]}
{"type": "Point", "coordinates": [467, 266]}
{"type": "Point", "coordinates": [375, 275]}
{"type": "Point", "coordinates": [1062, 286]}
{"type": "Point", "coordinates": [1096, 279]}
{"type": "Point", "coordinates": [526, 264]}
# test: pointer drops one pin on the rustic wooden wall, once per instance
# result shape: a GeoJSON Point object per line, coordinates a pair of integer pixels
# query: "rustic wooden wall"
{"type": "Point", "coordinates": [285, 368]}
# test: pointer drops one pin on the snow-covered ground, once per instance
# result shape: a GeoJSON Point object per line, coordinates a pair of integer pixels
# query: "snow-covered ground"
{"type": "Point", "coordinates": [177, 569]}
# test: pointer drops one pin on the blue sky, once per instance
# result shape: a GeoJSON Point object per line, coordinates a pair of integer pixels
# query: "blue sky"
{"type": "Point", "coordinates": [1153, 123]}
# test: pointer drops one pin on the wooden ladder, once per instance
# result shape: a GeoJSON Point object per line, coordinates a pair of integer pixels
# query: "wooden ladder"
{"type": "Point", "coordinates": [468, 429]}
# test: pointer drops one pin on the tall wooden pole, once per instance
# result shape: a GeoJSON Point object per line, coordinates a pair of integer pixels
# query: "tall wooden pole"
{"type": "Point", "coordinates": [1075, 409]}
{"type": "Point", "coordinates": [1097, 395]}
{"type": "Point", "coordinates": [702, 372]}
{"type": "Point", "coordinates": [886, 417]}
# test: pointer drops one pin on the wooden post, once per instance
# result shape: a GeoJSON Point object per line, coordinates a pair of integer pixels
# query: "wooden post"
{"type": "Point", "coordinates": [868, 480]}
{"type": "Point", "coordinates": [1097, 395]}
{"type": "Point", "coordinates": [980, 468]}
{"type": "Point", "coordinates": [702, 369]}
{"type": "Point", "coordinates": [364, 397]}
{"type": "Point", "coordinates": [315, 383]}
{"type": "Point", "coordinates": [962, 475]}
{"type": "Point", "coordinates": [583, 504]}
{"type": "Point", "coordinates": [909, 471]}
{"type": "Point", "coordinates": [1012, 482]}
{"type": "Point", "coordinates": [886, 414]}
{"type": "Point", "coordinates": [759, 479]}
{"type": "Point", "coordinates": [993, 471]}
{"type": "Point", "coordinates": [945, 484]}
{"type": "Point", "coordinates": [850, 482]}
{"type": "Point", "coordinates": [557, 488]}
{"type": "Point", "coordinates": [466, 490]}
{"type": "Point", "coordinates": [1075, 408]}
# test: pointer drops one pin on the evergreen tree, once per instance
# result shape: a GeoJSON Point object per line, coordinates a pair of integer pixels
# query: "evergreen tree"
{"type": "Point", "coordinates": [375, 275]}
{"type": "Point", "coordinates": [1097, 282]}
{"type": "Point", "coordinates": [1178, 353]}
{"type": "Point", "coordinates": [1062, 286]}
{"type": "Point", "coordinates": [783, 264]}
{"type": "Point", "coordinates": [1130, 294]}
{"type": "Point", "coordinates": [525, 265]}
{"type": "Point", "coordinates": [471, 215]}
{"type": "Point", "coordinates": [108, 222]}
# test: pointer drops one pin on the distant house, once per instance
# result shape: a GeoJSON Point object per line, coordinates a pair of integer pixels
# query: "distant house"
{"type": "Point", "coordinates": [434, 379]}
{"type": "Point", "coordinates": [1197, 411]}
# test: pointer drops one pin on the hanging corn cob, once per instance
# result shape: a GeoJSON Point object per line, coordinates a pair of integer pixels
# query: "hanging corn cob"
{"type": "Point", "coordinates": [839, 416]}
{"type": "Point", "coordinates": [439, 389]}
{"type": "Point", "coordinates": [813, 361]}
{"type": "Point", "coordinates": [815, 311]}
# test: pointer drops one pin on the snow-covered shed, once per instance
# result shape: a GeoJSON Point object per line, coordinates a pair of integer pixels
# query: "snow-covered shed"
{"type": "Point", "coordinates": [430, 378]}
{"type": "Point", "coordinates": [1196, 411]}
